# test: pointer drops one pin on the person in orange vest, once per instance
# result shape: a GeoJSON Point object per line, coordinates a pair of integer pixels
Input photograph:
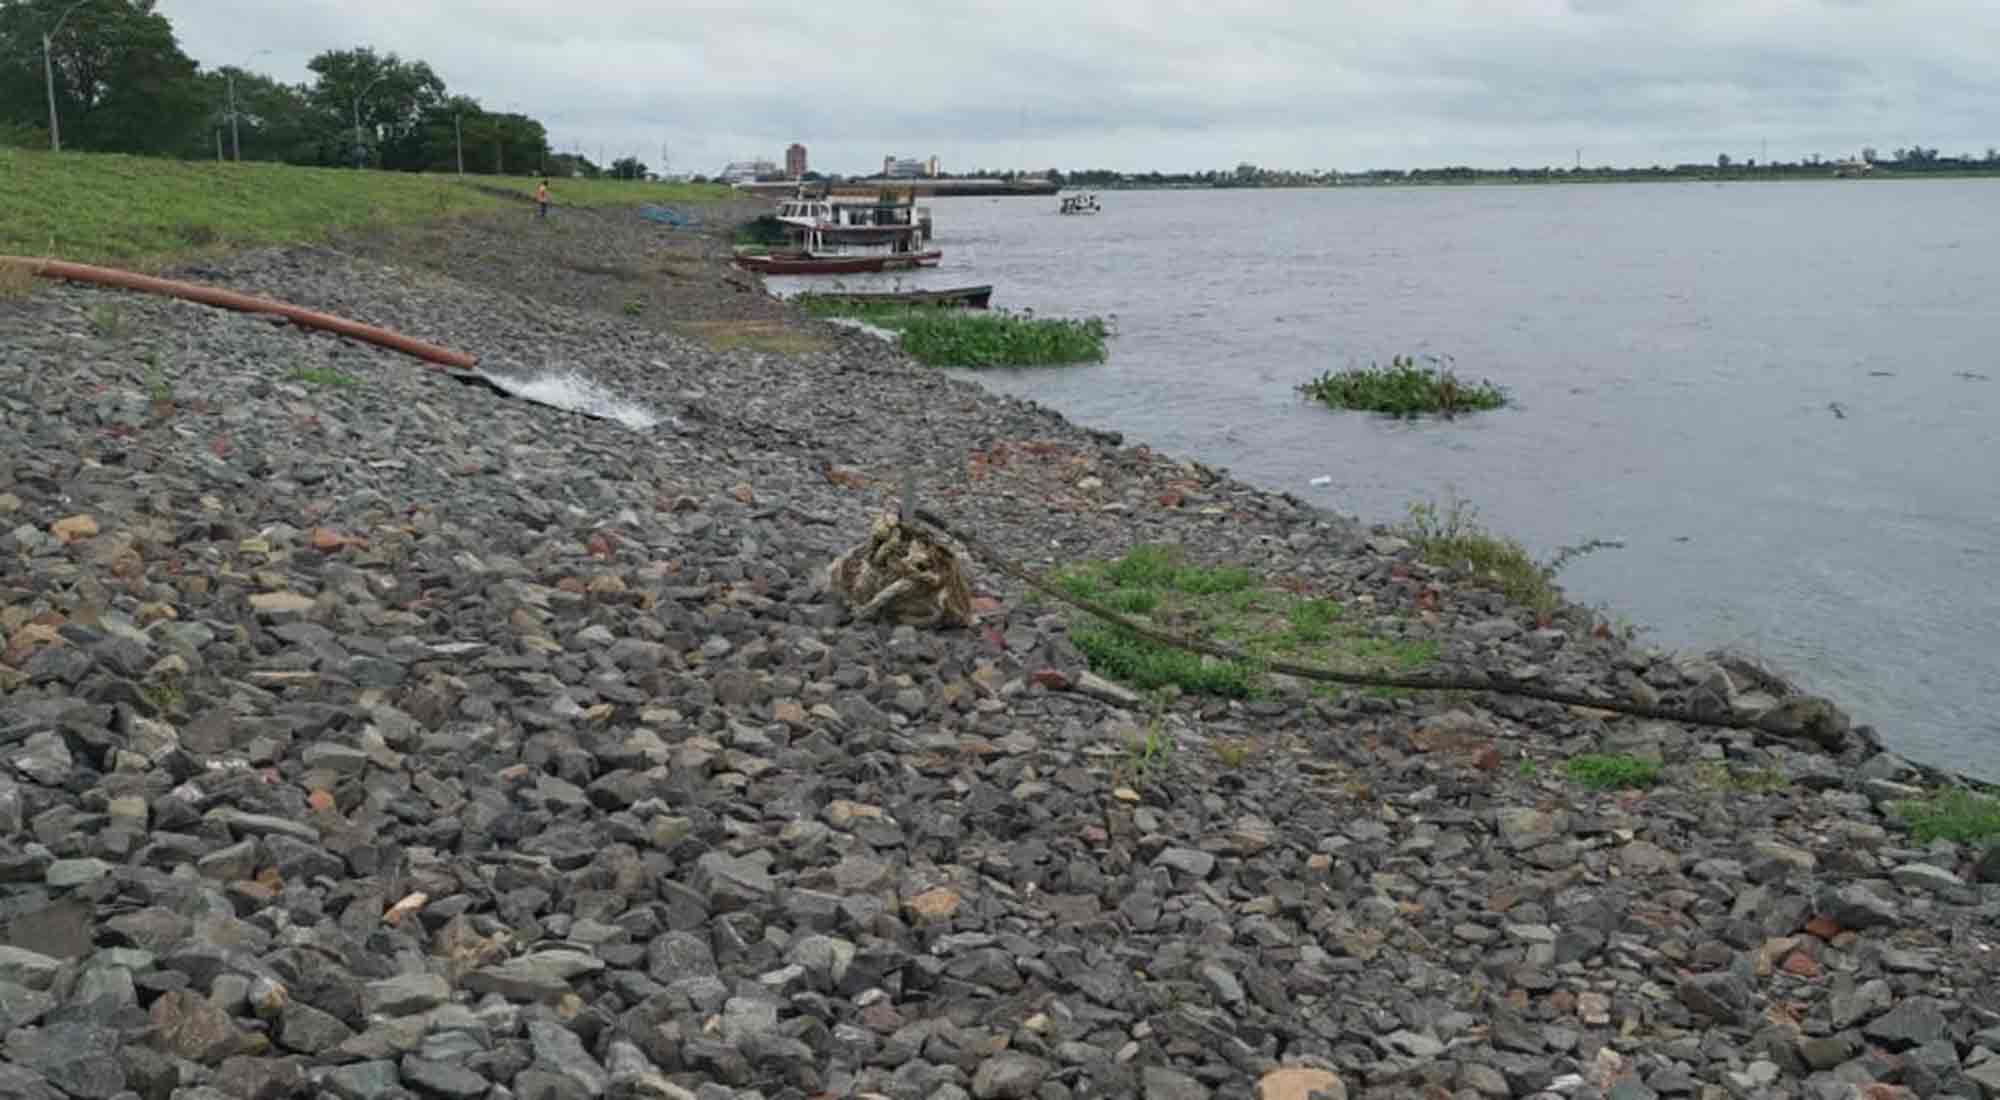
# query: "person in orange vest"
{"type": "Point", "coordinates": [542, 200]}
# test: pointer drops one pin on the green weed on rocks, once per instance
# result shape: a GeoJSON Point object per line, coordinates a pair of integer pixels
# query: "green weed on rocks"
{"type": "Point", "coordinates": [1956, 815]}
{"type": "Point", "coordinates": [1611, 771]}
{"type": "Point", "coordinates": [324, 376]}
{"type": "Point", "coordinates": [1451, 536]}
{"type": "Point", "coordinates": [1223, 604]}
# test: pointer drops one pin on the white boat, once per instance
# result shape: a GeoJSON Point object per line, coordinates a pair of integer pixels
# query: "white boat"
{"type": "Point", "coordinates": [1078, 204]}
{"type": "Point", "coordinates": [835, 235]}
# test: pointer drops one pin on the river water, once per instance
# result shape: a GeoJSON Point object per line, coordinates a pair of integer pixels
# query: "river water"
{"type": "Point", "coordinates": [1783, 397]}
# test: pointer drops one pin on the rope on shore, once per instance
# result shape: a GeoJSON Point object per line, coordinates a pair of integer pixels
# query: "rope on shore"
{"type": "Point", "coordinates": [1801, 717]}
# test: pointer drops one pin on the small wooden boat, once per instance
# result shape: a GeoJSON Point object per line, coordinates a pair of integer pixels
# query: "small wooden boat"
{"type": "Point", "coordinates": [813, 263]}
{"type": "Point", "coordinates": [963, 297]}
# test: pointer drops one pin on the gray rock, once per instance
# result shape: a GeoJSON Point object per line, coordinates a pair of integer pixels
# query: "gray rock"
{"type": "Point", "coordinates": [309, 1031]}
{"type": "Point", "coordinates": [27, 968]}
{"type": "Point", "coordinates": [371, 1080]}
{"type": "Point", "coordinates": [1192, 862]}
{"type": "Point", "coordinates": [558, 1050]}
{"type": "Point", "coordinates": [1923, 876]}
{"type": "Point", "coordinates": [729, 883]}
{"type": "Point", "coordinates": [1009, 1075]}
{"type": "Point", "coordinates": [191, 1026]}
{"type": "Point", "coordinates": [81, 1059]}
{"type": "Point", "coordinates": [1859, 908]}
{"type": "Point", "coordinates": [1915, 1021]}
{"type": "Point", "coordinates": [404, 995]}
{"type": "Point", "coordinates": [1161, 1083]}
{"type": "Point", "coordinates": [1722, 997]}
{"type": "Point", "coordinates": [453, 1082]}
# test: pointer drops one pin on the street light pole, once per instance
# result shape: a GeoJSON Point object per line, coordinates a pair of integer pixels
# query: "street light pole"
{"type": "Point", "coordinates": [235, 139]}
{"type": "Point", "coordinates": [49, 74]}
{"type": "Point", "coordinates": [458, 131]}
{"type": "Point", "coordinates": [359, 148]}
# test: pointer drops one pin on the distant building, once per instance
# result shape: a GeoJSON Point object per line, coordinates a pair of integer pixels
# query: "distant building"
{"type": "Point", "coordinates": [795, 161]}
{"type": "Point", "coordinates": [748, 171]}
{"type": "Point", "coordinates": [907, 169]}
{"type": "Point", "coordinates": [931, 167]}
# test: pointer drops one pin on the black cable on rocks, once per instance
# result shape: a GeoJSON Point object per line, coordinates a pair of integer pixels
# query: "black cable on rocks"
{"type": "Point", "coordinates": [1800, 717]}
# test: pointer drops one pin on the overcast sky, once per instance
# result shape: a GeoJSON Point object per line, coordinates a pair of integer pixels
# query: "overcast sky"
{"type": "Point", "coordinates": [1177, 84]}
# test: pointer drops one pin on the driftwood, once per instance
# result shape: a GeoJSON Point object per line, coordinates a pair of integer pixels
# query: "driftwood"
{"type": "Point", "coordinates": [1800, 717]}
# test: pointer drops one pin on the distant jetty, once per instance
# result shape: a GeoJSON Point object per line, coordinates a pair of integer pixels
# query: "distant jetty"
{"type": "Point", "coordinates": [922, 187]}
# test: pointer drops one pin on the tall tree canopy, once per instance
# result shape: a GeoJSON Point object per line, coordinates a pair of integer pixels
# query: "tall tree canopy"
{"type": "Point", "coordinates": [122, 83]}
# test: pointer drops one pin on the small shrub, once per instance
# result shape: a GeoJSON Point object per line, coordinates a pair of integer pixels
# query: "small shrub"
{"type": "Point", "coordinates": [324, 376]}
{"type": "Point", "coordinates": [1607, 772]}
{"type": "Point", "coordinates": [634, 307]}
{"type": "Point", "coordinates": [1956, 815]}
{"type": "Point", "coordinates": [108, 319]}
{"type": "Point", "coordinates": [1235, 752]}
{"type": "Point", "coordinates": [1148, 752]}
{"type": "Point", "coordinates": [1452, 537]}
{"type": "Point", "coordinates": [1403, 388]}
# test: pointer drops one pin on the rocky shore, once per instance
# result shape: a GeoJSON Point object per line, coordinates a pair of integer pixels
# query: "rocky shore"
{"type": "Point", "coordinates": [368, 734]}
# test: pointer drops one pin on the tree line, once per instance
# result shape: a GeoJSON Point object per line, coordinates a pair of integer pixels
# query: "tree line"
{"type": "Point", "coordinates": [123, 85]}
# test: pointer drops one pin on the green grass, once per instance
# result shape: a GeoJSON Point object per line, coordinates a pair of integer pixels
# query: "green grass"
{"type": "Point", "coordinates": [1452, 537]}
{"type": "Point", "coordinates": [1610, 772]}
{"type": "Point", "coordinates": [1956, 815]}
{"type": "Point", "coordinates": [1403, 388]}
{"type": "Point", "coordinates": [324, 376]}
{"type": "Point", "coordinates": [1746, 780]}
{"type": "Point", "coordinates": [945, 337]}
{"type": "Point", "coordinates": [144, 212]}
{"type": "Point", "coordinates": [1224, 604]}
{"type": "Point", "coordinates": [609, 192]}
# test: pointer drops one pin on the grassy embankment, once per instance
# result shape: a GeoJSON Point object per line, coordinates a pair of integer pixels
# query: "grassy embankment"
{"type": "Point", "coordinates": [143, 212]}
{"type": "Point", "coordinates": [942, 337]}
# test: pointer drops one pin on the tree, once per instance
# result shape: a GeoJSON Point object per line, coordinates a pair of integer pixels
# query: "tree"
{"type": "Point", "coordinates": [628, 168]}
{"type": "Point", "coordinates": [274, 120]}
{"type": "Point", "coordinates": [121, 81]}
{"type": "Point", "coordinates": [1722, 161]}
{"type": "Point", "coordinates": [393, 98]}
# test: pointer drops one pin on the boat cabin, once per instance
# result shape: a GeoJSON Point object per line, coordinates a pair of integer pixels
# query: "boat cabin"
{"type": "Point", "coordinates": [831, 226]}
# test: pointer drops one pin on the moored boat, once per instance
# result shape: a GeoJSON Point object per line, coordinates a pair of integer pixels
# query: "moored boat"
{"type": "Point", "coordinates": [1078, 204]}
{"type": "Point", "coordinates": [841, 236]}
{"type": "Point", "coordinates": [811, 263]}
{"type": "Point", "coordinates": [963, 297]}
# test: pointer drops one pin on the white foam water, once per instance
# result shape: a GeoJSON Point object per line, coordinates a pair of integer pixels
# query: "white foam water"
{"type": "Point", "coordinates": [574, 392]}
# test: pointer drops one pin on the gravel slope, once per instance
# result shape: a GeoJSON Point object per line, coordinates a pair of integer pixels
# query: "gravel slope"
{"type": "Point", "coordinates": [365, 733]}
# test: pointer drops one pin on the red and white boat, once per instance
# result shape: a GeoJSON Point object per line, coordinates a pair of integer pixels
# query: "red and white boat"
{"type": "Point", "coordinates": [842, 236]}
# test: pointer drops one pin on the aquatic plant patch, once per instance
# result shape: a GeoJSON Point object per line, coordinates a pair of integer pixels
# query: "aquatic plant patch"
{"type": "Point", "coordinates": [1404, 388]}
{"type": "Point", "coordinates": [941, 336]}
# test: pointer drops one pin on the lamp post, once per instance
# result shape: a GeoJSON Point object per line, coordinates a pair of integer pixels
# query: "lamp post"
{"type": "Point", "coordinates": [235, 139]}
{"type": "Point", "coordinates": [49, 74]}
{"type": "Point", "coordinates": [360, 150]}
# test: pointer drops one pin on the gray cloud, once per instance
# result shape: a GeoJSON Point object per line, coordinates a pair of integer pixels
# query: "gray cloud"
{"type": "Point", "coordinates": [1179, 84]}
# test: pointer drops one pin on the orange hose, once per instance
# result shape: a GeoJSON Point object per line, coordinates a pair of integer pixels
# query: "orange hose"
{"type": "Point", "coordinates": [228, 299]}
